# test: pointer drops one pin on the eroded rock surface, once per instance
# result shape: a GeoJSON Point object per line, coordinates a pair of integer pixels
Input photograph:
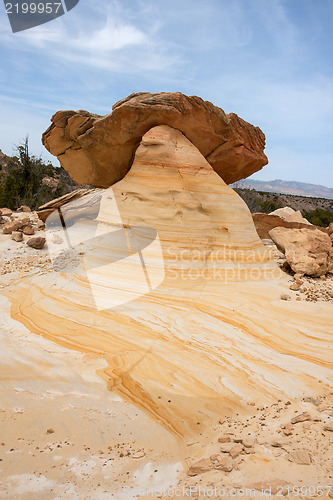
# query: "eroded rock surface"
{"type": "Point", "coordinates": [192, 323]}
{"type": "Point", "coordinates": [99, 150]}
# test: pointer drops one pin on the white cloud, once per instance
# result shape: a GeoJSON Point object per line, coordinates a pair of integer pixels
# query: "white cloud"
{"type": "Point", "coordinates": [99, 39]}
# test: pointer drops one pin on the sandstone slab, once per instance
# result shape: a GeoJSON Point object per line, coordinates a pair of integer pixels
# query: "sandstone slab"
{"type": "Point", "coordinates": [99, 150]}
{"type": "Point", "coordinates": [301, 457]}
{"type": "Point", "coordinates": [265, 222]}
{"type": "Point", "coordinates": [44, 211]}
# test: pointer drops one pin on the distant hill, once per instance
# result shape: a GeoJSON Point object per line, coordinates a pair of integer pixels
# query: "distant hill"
{"type": "Point", "coordinates": [287, 187]}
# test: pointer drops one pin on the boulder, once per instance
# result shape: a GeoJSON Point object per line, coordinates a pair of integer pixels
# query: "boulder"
{"type": "Point", "coordinates": [265, 222]}
{"type": "Point", "coordinates": [307, 250]}
{"type": "Point", "coordinates": [290, 215]}
{"type": "Point", "coordinates": [37, 242]}
{"type": "Point", "coordinates": [297, 217]}
{"type": "Point", "coordinates": [283, 212]}
{"type": "Point", "coordinates": [99, 150]}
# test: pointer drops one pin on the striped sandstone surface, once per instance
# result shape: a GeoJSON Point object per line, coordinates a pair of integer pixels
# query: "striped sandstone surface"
{"type": "Point", "coordinates": [171, 285]}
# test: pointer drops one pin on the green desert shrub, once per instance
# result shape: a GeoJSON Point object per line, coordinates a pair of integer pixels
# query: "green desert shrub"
{"type": "Point", "coordinates": [21, 184]}
{"type": "Point", "coordinates": [319, 217]}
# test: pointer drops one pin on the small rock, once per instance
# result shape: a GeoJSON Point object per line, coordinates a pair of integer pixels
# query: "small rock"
{"type": "Point", "coordinates": [6, 212]}
{"type": "Point", "coordinates": [9, 227]}
{"type": "Point", "coordinates": [225, 464]}
{"type": "Point", "coordinates": [295, 286]}
{"type": "Point", "coordinates": [138, 454]}
{"type": "Point", "coordinates": [37, 242]}
{"type": "Point", "coordinates": [203, 465]}
{"type": "Point", "coordinates": [236, 450]}
{"type": "Point", "coordinates": [329, 427]}
{"type": "Point", "coordinates": [215, 458]}
{"type": "Point", "coordinates": [221, 421]}
{"type": "Point", "coordinates": [226, 447]}
{"type": "Point", "coordinates": [17, 236]}
{"type": "Point", "coordinates": [24, 218]}
{"type": "Point", "coordinates": [57, 239]}
{"type": "Point", "coordinates": [50, 431]}
{"type": "Point", "coordinates": [40, 224]}
{"type": "Point", "coordinates": [300, 418]}
{"type": "Point", "coordinates": [288, 429]}
{"type": "Point", "coordinates": [285, 296]}
{"type": "Point", "coordinates": [238, 439]}
{"type": "Point", "coordinates": [301, 457]}
{"type": "Point", "coordinates": [249, 441]}
{"type": "Point", "coordinates": [28, 230]}
{"type": "Point", "coordinates": [249, 451]}
{"type": "Point", "coordinates": [279, 443]}
{"type": "Point", "coordinates": [224, 439]}
{"type": "Point", "coordinates": [298, 277]}
{"type": "Point", "coordinates": [24, 208]}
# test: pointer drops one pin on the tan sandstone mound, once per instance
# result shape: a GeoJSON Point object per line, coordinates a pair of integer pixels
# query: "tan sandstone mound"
{"type": "Point", "coordinates": [99, 150]}
{"type": "Point", "coordinates": [167, 279]}
{"type": "Point", "coordinates": [307, 250]}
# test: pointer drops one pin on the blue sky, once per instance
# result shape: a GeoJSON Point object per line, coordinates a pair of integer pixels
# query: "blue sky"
{"type": "Point", "coordinates": [269, 61]}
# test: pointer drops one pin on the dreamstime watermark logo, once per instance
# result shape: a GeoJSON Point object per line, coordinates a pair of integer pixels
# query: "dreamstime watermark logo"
{"type": "Point", "coordinates": [29, 14]}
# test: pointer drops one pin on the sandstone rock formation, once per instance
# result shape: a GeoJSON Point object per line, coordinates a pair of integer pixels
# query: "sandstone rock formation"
{"type": "Point", "coordinates": [307, 251]}
{"type": "Point", "coordinates": [265, 222]}
{"type": "Point", "coordinates": [148, 269]}
{"type": "Point", "coordinates": [100, 150]}
{"type": "Point", "coordinates": [170, 283]}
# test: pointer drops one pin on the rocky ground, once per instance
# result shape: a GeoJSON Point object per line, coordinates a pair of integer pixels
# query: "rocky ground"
{"type": "Point", "coordinates": [302, 287]}
{"type": "Point", "coordinates": [102, 448]}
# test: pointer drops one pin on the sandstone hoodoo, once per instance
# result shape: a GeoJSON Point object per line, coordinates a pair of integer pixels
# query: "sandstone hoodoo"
{"type": "Point", "coordinates": [163, 273]}
{"type": "Point", "coordinates": [99, 150]}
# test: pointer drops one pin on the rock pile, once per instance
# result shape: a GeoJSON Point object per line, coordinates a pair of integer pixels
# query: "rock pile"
{"type": "Point", "coordinates": [21, 223]}
{"type": "Point", "coordinates": [280, 437]}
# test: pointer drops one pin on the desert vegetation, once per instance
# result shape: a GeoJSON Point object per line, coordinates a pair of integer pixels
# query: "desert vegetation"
{"type": "Point", "coordinates": [27, 180]}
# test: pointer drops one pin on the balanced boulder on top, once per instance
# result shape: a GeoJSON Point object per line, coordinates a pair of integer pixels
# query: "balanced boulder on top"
{"type": "Point", "coordinates": [99, 150]}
